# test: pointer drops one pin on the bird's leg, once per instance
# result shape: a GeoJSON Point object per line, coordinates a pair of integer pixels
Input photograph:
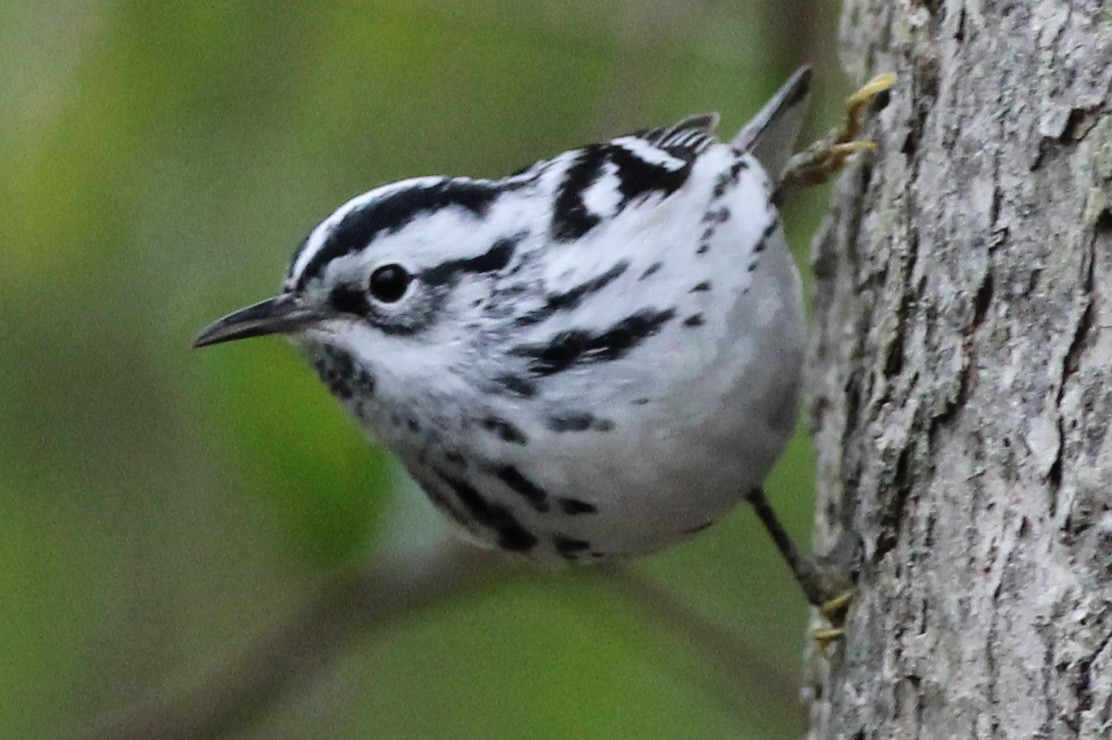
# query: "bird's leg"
{"type": "Point", "coordinates": [818, 162]}
{"type": "Point", "coordinates": [823, 586]}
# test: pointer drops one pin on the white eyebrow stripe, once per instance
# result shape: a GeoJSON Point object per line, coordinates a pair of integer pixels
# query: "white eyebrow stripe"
{"type": "Point", "coordinates": [318, 237]}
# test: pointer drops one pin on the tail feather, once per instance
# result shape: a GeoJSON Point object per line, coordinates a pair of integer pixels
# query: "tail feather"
{"type": "Point", "coordinates": [771, 134]}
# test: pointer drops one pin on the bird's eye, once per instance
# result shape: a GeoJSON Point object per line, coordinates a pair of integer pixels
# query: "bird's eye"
{"type": "Point", "coordinates": [389, 282]}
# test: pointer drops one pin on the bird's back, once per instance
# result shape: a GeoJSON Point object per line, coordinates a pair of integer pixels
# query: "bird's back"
{"type": "Point", "coordinates": [640, 387]}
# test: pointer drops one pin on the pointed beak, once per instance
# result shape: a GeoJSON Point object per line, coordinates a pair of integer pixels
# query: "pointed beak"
{"type": "Point", "coordinates": [279, 315]}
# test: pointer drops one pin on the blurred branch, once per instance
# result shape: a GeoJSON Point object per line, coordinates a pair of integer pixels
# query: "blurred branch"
{"type": "Point", "coordinates": [721, 645]}
{"type": "Point", "coordinates": [353, 605]}
{"type": "Point", "coordinates": [291, 654]}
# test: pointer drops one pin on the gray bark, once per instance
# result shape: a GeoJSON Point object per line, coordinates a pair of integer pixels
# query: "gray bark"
{"type": "Point", "coordinates": [961, 378]}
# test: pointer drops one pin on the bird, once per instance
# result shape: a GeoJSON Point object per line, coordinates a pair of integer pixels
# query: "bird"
{"type": "Point", "coordinates": [595, 357]}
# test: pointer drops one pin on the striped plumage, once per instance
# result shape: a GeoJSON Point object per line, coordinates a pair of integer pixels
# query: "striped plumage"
{"type": "Point", "coordinates": [598, 355]}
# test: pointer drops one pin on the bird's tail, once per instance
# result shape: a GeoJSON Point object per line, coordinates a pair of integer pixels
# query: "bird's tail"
{"type": "Point", "coordinates": [770, 135]}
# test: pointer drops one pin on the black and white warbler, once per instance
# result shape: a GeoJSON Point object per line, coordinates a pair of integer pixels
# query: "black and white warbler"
{"type": "Point", "coordinates": [596, 356]}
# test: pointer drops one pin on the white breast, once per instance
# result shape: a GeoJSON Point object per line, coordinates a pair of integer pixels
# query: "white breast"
{"type": "Point", "coordinates": [693, 417]}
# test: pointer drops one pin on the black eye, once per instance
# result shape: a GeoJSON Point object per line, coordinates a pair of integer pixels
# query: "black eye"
{"type": "Point", "coordinates": [388, 283]}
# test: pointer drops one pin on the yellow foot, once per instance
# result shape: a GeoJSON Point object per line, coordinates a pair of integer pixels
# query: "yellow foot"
{"type": "Point", "coordinates": [835, 609]}
{"type": "Point", "coordinates": [818, 162]}
{"type": "Point", "coordinates": [826, 637]}
{"type": "Point", "coordinates": [859, 101]}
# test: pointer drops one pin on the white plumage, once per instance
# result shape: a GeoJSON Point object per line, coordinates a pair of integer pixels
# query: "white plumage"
{"type": "Point", "coordinates": [597, 356]}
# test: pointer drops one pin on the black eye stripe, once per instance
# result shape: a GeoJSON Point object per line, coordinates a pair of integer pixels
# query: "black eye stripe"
{"type": "Point", "coordinates": [349, 299]}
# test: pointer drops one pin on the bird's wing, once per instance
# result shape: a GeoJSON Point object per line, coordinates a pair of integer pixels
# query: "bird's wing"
{"type": "Point", "coordinates": [687, 139]}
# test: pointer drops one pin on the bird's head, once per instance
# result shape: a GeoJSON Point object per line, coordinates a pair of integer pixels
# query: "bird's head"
{"type": "Point", "coordinates": [398, 268]}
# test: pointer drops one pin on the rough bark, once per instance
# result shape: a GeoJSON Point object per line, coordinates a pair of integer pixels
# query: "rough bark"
{"type": "Point", "coordinates": [961, 381]}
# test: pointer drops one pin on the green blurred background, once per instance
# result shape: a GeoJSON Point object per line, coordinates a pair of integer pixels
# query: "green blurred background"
{"type": "Point", "coordinates": [160, 507]}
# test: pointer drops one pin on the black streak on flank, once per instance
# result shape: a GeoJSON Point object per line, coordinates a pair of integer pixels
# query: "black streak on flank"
{"type": "Point", "coordinates": [570, 548]}
{"type": "Point", "coordinates": [720, 186]}
{"type": "Point", "coordinates": [570, 299]}
{"type": "Point", "coordinates": [516, 386]}
{"type": "Point", "coordinates": [765, 235]}
{"type": "Point", "coordinates": [445, 504]}
{"type": "Point", "coordinates": [652, 268]}
{"type": "Point", "coordinates": [578, 422]}
{"type": "Point", "coordinates": [738, 166]}
{"type": "Point", "coordinates": [575, 507]}
{"type": "Point", "coordinates": [511, 535]}
{"type": "Point", "coordinates": [717, 216]}
{"type": "Point", "coordinates": [580, 346]}
{"type": "Point", "coordinates": [505, 430]}
{"type": "Point", "coordinates": [702, 287]}
{"type": "Point", "coordinates": [518, 483]}
{"type": "Point", "coordinates": [494, 259]}
{"type": "Point", "coordinates": [393, 211]}
{"type": "Point", "coordinates": [730, 178]}
{"type": "Point", "coordinates": [725, 180]}
{"type": "Point", "coordinates": [694, 320]}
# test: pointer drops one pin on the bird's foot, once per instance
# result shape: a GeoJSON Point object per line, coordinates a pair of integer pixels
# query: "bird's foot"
{"type": "Point", "coordinates": [834, 610]}
{"type": "Point", "coordinates": [818, 162]}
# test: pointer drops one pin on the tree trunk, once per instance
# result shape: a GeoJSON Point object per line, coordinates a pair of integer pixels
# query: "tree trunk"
{"type": "Point", "coordinates": [961, 381]}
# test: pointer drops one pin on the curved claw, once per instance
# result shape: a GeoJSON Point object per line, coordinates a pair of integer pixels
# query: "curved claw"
{"type": "Point", "coordinates": [856, 104]}
{"type": "Point", "coordinates": [826, 637]}
{"type": "Point", "coordinates": [818, 162]}
{"type": "Point", "coordinates": [871, 89]}
{"type": "Point", "coordinates": [835, 609]}
{"type": "Point", "coordinates": [852, 147]}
